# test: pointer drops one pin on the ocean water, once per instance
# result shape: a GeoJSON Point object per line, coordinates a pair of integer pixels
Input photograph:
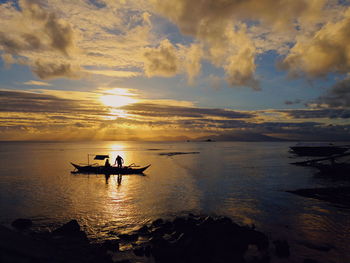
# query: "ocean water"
{"type": "Point", "coordinates": [244, 180]}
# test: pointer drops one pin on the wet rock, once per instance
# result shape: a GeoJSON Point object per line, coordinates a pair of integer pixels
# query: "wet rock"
{"type": "Point", "coordinates": [139, 251]}
{"type": "Point", "coordinates": [129, 237]}
{"type": "Point", "coordinates": [184, 225]}
{"type": "Point", "coordinates": [281, 248]}
{"type": "Point", "coordinates": [158, 222]}
{"type": "Point", "coordinates": [147, 251]}
{"type": "Point", "coordinates": [112, 245]}
{"type": "Point", "coordinates": [71, 233]}
{"type": "Point", "coordinates": [308, 260]}
{"type": "Point", "coordinates": [22, 223]}
{"type": "Point", "coordinates": [70, 228]}
{"type": "Point", "coordinates": [143, 230]}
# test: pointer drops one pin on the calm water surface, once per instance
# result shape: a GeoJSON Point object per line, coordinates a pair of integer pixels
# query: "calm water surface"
{"type": "Point", "coordinates": [246, 181]}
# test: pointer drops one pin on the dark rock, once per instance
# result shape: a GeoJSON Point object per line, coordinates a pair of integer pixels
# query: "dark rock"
{"type": "Point", "coordinates": [184, 225]}
{"type": "Point", "coordinates": [158, 231]}
{"type": "Point", "coordinates": [17, 247]}
{"type": "Point", "coordinates": [143, 230]}
{"type": "Point", "coordinates": [281, 248]}
{"type": "Point", "coordinates": [129, 237]}
{"type": "Point", "coordinates": [168, 227]}
{"type": "Point", "coordinates": [147, 251]}
{"type": "Point", "coordinates": [158, 222]}
{"type": "Point", "coordinates": [112, 245]}
{"type": "Point", "coordinates": [70, 228]}
{"type": "Point", "coordinates": [257, 238]}
{"type": "Point", "coordinates": [139, 251]}
{"type": "Point", "coordinates": [22, 223]}
{"type": "Point", "coordinates": [123, 261]}
{"type": "Point", "coordinates": [71, 233]}
{"type": "Point", "coordinates": [308, 260]}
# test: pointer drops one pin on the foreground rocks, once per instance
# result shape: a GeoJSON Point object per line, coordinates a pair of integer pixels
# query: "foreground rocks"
{"type": "Point", "coordinates": [189, 239]}
{"type": "Point", "coordinates": [201, 239]}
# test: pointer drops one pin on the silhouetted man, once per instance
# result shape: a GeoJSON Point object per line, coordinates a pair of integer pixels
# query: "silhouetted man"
{"type": "Point", "coordinates": [119, 160]}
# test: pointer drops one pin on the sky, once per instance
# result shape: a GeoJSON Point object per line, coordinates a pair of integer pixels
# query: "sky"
{"type": "Point", "coordinates": [175, 70]}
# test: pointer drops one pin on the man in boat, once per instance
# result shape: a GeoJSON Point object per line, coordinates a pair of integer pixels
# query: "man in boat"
{"type": "Point", "coordinates": [119, 160]}
{"type": "Point", "coordinates": [107, 164]}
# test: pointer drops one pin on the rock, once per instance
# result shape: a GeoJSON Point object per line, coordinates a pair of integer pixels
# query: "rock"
{"type": "Point", "coordinates": [139, 251]}
{"type": "Point", "coordinates": [257, 238]}
{"type": "Point", "coordinates": [71, 233]}
{"type": "Point", "coordinates": [22, 223]}
{"type": "Point", "coordinates": [147, 251]}
{"type": "Point", "coordinates": [308, 260]}
{"type": "Point", "coordinates": [17, 247]}
{"type": "Point", "coordinates": [143, 230]}
{"type": "Point", "coordinates": [112, 245]}
{"type": "Point", "coordinates": [158, 222]}
{"type": "Point", "coordinates": [129, 237]}
{"type": "Point", "coordinates": [70, 228]}
{"type": "Point", "coordinates": [281, 248]}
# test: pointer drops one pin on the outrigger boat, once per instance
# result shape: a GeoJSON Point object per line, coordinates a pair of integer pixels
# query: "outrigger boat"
{"type": "Point", "coordinates": [328, 165]}
{"type": "Point", "coordinates": [108, 170]}
{"type": "Point", "coordinates": [318, 149]}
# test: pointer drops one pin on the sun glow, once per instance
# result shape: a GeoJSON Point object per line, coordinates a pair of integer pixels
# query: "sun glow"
{"type": "Point", "coordinates": [118, 97]}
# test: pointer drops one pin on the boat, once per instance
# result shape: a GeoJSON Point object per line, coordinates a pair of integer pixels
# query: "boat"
{"type": "Point", "coordinates": [318, 150]}
{"type": "Point", "coordinates": [331, 165]}
{"type": "Point", "coordinates": [101, 169]}
{"type": "Point", "coordinates": [107, 169]}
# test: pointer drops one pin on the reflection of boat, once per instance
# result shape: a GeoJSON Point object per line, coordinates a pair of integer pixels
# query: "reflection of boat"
{"type": "Point", "coordinates": [101, 169]}
{"type": "Point", "coordinates": [107, 169]}
{"type": "Point", "coordinates": [318, 150]}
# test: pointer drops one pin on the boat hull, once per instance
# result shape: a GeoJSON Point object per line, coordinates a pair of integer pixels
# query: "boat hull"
{"type": "Point", "coordinates": [91, 169]}
{"type": "Point", "coordinates": [318, 150]}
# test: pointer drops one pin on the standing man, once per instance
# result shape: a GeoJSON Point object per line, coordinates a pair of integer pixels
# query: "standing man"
{"type": "Point", "coordinates": [119, 160]}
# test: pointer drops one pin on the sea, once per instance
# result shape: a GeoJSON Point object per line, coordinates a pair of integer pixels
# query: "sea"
{"type": "Point", "coordinates": [247, 181]}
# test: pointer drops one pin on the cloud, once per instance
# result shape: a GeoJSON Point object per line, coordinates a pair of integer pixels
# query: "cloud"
{"type": "Point", "coordinates": [43, 31]}
{"type": "Point", "coordinates": [192, 62]}
{"type": "Point", "coordinates": [162, 60]}
{"type": "Point", "coordinates": [159, 110]}
{"type": "Point", "coordinates": [318, 113]}
{"type": "Point", "coordinates": [25, 102]}
{"type": "Point", "coordinates": [60, 33]}
{"type": "Point", "coordinates": [36, 83]}
{"type": "Point", "coordinates": [292, 102]}
{"type": "Point", "coordinates": [228, 39]}
{"type": "Point", "coordinates": [323, 52]}
{"type": "Point", "coordinates": [48, 70]}
{"type": "Point", "coordinates": [338, 96]}
{"type": "Point", "coordinates": [115, 73]}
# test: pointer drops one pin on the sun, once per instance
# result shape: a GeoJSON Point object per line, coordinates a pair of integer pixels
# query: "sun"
{"type": "Point", "coordinates": [118, 98]}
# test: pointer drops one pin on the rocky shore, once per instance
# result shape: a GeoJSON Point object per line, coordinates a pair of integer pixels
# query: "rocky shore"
{"type": "Point", "coordinates": [184, 239]}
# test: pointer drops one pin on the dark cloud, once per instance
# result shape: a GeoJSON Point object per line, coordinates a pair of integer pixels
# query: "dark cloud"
{"type": "Point", "coordinates": [318, 113]}
{"type": "Point", "coordinates": [60, 33]}
{"type": "Point", "coordinates": [158, 110]}
{"type": "Point", "coordinates": [47, 70]}
{"type": "Point", "coordinates": [24, 42]}
{"type": "Point", "coordinates": [292, 102]}
{"type": "Point", "coordinates": [27, 102]}
{"type": "Point", "coordinates": [337, 96]}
